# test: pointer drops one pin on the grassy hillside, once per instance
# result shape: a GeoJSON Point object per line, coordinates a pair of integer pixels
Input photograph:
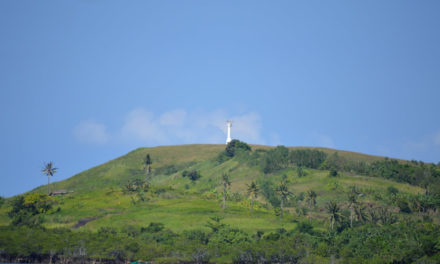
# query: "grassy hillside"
{"type": "Point", "coordinates": [101, 207]}
{"type": "Point", "coordinates": [181, 204]}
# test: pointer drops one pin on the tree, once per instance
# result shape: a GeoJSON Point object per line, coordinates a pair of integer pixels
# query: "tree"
{"type": "Point", "coordinates": [215, 224]}
{"type": "Point", "coordinates": [235, 145]}
{"type": "Point", "coordinates": [352, 201]}
{"type": "Point", "coordinates": [284, 193]}
{"type": "Point", "coordinates": [147, 165]}
{"type": "Point", "coordinates": [253, 192]}
{"type": "Point", "coordinates": [333, 210]}
{"type": "Point", "coordinates": [226, 184]}
{"type": "Point", "coordinates": [360, 211]}
{"type": "Point", "coordinates": [27, 210]}
{"type": "Point", "coordinates": [311, 200]}
{"type": "Point", "coordinates": [49, 170]}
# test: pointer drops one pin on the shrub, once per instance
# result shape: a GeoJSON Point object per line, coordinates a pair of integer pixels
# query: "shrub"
{"type": "Point", "coordinates": [391, 190]}
{"type": "Point", "coordinates": [192, 175]}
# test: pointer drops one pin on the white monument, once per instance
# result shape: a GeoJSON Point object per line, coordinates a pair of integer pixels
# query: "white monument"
{"type": "Point", "coordinates": [229, 124]}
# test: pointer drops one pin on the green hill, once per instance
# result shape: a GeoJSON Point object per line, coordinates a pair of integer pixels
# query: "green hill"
{"type": "Point", "coordinates": [99, 198]}
{"type": "Point", "coordinates": [181, 204]}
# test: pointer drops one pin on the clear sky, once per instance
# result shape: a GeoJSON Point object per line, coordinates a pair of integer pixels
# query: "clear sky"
{"type": "Point", "coordinates": [83, 82]}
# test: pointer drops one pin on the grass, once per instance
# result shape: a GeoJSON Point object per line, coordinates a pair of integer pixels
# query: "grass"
{"type": "Point", "coordinates": [189, 205]}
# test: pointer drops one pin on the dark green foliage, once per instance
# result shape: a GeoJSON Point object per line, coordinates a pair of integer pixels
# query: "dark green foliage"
{"type": "Point", "coordinates": [403, 242]}
{"type": "Point", "coordinates": [268, 190]}
{"type": "Point", "coordinates": [227, 236]}
{"type": "Point", "coordinates": [335, 162]}
{"type": "Point", "coordinates": [2, 201]}
{"type": "Point", "coordinates": [300, 172]}
{"type": "Point", "coordinates": [284, 193]}
{"type": "Point", "coordinates": [147, 160]}
{"type": "Point", "coordinates": [226, 185]}
{"type": "Point", "coordinates": [28, 210]}
{"type": "Point", "coordinates": [253, 191]}
{"type": "Point", "coordinates": [403, 206]}
{"type": "Point", "coordinates": [197, 235]}
{"type": "Point", "coordinates": [416, 173]}
{"type": "Point", "coordinates": [307, 158]}
{"type": "Point", "coordinates": [305, 227]}
{"type": "Point", "coordinates": [215, 223]}
{"type": "Point", "coordinates": [275, 159]}
{"type": "Point", "coordinates": [153, 228]}
{"type": "Point", "coordinates": [192, 175]}
{"type": "Point", "coordinates": [334, 212]}
{"type": "Point", "coordinates": [427, 176]}
{"type": "Point", "coordinates": [333, 172]}
{"type": "Point", "coordinates": [235, 146]}
{"type": "Point", "coordinates": [280, 158]}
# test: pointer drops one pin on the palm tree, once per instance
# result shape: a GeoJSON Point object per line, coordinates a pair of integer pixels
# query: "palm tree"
{"type": "Point", "coordinates": [253, 192]}
{"type": "Point", "coordinates": [284, 193]}
{"type": "Point", "coordinates": [311, 200]}
{"type": "Point", "coordinates": [334, 211]}
{"type": "Point", "coordinates": [49, 170]}
{"type": "Point", "coordinates": [352, 202]}
{"type": "Point", "coordinates": [361, 212]}
{"type": "Point", "coordinates": [147, 165]}
{"type": "Point", "coordinates": [226, 184]}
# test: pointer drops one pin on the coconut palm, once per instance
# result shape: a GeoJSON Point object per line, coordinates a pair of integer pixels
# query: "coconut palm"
{"type": "Point", "coordinates": [226, 184]}
{"type": "Point", "coordinates": [284, 193]}
{"type": "Point", "coordinates": [333, 210]}
{"type": "Point", "coordinates": [311, 200]}
{"type": "Point", "coordinates": [352, 202]}
{"type": "Point", "coordinates": [49, 170]}
{"type": "Point", "coordinates": [147, 165]}
{"type": "Point", "coordinates": [253, 192]}
{"type": "Point", "coordinates": [360, 211]}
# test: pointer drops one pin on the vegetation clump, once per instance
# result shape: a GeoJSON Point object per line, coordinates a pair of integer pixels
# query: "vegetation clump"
{"type": "Point", "coordinates": [28, 210]}
{"type": "Point", "coordinates": [193, 175]}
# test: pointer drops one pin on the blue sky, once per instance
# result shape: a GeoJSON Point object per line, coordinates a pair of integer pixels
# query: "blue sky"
{"type": "Point", "coordinates": [83, 82]}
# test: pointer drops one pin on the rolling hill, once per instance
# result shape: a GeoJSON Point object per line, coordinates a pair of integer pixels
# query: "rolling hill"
{"type": "Point", "coordinates": [98, 197]}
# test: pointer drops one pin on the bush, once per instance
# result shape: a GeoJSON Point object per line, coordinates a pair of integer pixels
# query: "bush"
{"type": "Point", "coordinates": [333, 172]}
{"type": "Point", "coordinates": [196, 235]}
{"type": "Point", "coordinates": [28, 210]}
{"type": "Point", "coordinates": [153, 228]}
{"type": "Point", "coordinates": [192, 175]}
{"type": "Point", "coordinates": [403, 206]}
{"type": "Point", "coordinates": [391, 190]}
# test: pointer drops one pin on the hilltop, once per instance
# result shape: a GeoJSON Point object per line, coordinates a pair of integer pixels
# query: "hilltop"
{"type": "Point", "coordinates": [121, 195]}
{"type": "Point", "coordinates": [181, 203]}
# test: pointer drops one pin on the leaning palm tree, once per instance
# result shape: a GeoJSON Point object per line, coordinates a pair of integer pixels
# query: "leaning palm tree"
{"type": "Point", "coordinates": [284, 193]}
{"type": "Point", "coordinates": [253, 192]}
{"type": "Point", "coordinates": [226, 184]}
{"type": "Point", "coordinates": [49, 170]}
{"type": "Point", "coordinates": [311, 201]}
{"type": "Point", "coordinates": [333, 210]}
